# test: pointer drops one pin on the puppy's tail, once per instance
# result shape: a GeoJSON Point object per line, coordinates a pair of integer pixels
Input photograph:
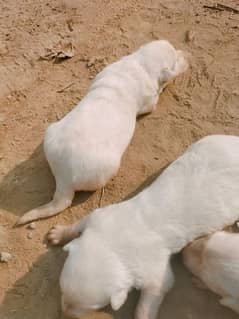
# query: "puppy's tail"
{"type": "Point", "coordinates": [62, 199]}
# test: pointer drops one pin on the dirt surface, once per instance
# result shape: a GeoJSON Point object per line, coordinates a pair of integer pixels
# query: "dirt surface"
{"type": "Point", "coordinates": [35, 92]}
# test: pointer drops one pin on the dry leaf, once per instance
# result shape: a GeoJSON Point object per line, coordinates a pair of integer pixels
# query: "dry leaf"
{"type": "Point", "coordinates": [59, 53]}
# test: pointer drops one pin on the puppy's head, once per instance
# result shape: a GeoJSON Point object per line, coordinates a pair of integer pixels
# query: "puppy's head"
{"type": "Point", "coordinates": [179, 64]}
{"type": "Point", "coordinates": [92, 277]}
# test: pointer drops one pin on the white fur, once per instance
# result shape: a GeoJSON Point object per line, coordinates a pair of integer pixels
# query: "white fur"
{"type": "Point", "coordinates": [215, 260]}
{"type": "Point", "coordinates": [84, 149]}
{"type": "Point", "coordinates": [129, 244]}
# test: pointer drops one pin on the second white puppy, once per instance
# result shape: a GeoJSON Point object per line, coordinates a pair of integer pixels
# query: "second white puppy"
{"type": "Point", "coordinates": [129, 244]}
{"type": "Point", "coordinates": [215, 260]}
{"type": "Point", "coordinates": [84, 149]}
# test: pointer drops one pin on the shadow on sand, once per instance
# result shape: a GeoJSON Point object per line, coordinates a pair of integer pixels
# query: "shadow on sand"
{"type": "Point", "coordinates": [36, 295]}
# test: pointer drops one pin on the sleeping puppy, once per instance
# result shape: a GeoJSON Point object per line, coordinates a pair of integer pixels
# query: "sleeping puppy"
{"type": "Point", "coordinates": [215, 260]}
{"type": "Point", "coordinates": [129, 244]}
{"type": "Point", "coordinates": [84, 149]}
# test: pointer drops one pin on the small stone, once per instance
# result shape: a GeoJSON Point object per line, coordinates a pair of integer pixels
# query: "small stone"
{"type": "Point", "coordinates": [2, 117]}
{"type": "Point", "coordinates": [29, 235]}
{"type": "Point", "coordinates": [190, 35]}
{"type": "Point", "coordinates": [32, 226]}
{"type": "Point", "coordinates": [5, 257]}
{"type": "Point", "coordinates": [237, 224]}
{"type": "Point", "coordinates": [91, 62]}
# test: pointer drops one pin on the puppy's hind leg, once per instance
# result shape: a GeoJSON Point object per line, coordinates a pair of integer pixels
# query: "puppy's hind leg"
{"type": "Point", "coordinates": [62, 199]}
{"type": "Point", "coordinates": [61, 235]}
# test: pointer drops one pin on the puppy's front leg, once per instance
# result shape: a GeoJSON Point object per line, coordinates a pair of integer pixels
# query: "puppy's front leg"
{"type": "Point", "coordinates": [152, 295]}
{"type": "Point", "coordinates": [61, 235]}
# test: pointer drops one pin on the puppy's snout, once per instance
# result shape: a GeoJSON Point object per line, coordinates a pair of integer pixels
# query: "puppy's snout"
{"type": "Point", "coordinates": [183, 61]}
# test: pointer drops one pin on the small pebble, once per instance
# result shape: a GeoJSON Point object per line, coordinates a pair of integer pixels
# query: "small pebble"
{"type": "Point", "coordinates": [2, 117]}
{"type": "Point", "coordinates": [29, 235]}
{"type": "Point", "coordinates": [91, 62]}
{"type": "Point", "coordinates": [190, 35]}
{"type": "Point", "coordinates": [5, 257]}
{"type": "Point", "coordinates": [31, 226]}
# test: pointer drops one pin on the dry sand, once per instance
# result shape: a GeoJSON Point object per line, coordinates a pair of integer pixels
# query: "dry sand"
{"type": "Point", "coordinates": [36, 92]}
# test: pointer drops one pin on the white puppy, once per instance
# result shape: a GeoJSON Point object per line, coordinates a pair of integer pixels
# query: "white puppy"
{"type": "Point", "coordinates": [130, 244]}
{"type": "Point", "coordinates": [215, 260]}
{"type": "Point", "coordinates": [84, 149]}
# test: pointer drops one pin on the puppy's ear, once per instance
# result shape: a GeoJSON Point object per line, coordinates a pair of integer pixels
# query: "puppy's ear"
{"type": "Point", "coordinates": [118, 299]}
{"type": "Point", "coordinates": [165, 76]}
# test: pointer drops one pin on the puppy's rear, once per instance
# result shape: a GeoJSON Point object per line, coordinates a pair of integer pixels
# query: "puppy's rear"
{"type": "Point", "coordinates": [215, 260]}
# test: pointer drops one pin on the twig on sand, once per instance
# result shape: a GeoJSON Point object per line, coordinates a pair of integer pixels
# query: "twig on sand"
{"type": "Point", "coordinates": [221, 7]}
{"type": "Point", "coordinates": [64, 88]}
{"type": "Point", "coordinates": [101, 196]}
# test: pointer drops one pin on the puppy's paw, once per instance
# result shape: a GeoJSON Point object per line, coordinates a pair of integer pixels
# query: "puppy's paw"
{"type": "Point", "coordinates": [58, 235]}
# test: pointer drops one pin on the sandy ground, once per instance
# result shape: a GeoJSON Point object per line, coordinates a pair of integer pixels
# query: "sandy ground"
{"type": "Point", "coordinates": [36, 92]}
